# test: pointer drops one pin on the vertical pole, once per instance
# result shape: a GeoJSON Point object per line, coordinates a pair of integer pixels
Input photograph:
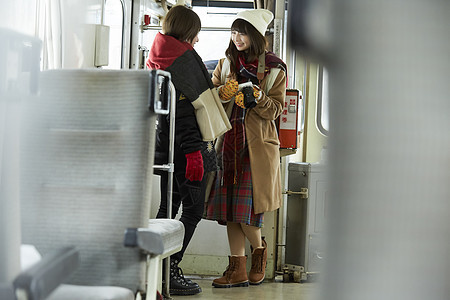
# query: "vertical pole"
{"type": "Point", "coordinates": [166, 263]}
{"type": "Point", "coordinates": [152, 272]}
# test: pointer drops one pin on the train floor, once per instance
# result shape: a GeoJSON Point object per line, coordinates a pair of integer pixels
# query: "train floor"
{"type": "Point", "coordinates": [269, 289]}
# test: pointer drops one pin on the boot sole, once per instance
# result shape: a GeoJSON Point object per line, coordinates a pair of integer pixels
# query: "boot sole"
{"type": "Point", "coordinates": [185, 292]}
{"type": "Point", "coordinates": [241, 284]}
{"type": "Point", "coordinates": [256, 283]}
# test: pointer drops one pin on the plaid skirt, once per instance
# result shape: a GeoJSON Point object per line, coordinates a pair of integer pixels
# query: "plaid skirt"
{"type": "Point", "coordinates": [233, 203]}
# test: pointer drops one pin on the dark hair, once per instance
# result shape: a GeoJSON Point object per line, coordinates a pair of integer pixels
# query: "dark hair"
{"type": "Point", "coordinates": [258, 44]}
{"type": "Point", "coordinates": [182, 23]}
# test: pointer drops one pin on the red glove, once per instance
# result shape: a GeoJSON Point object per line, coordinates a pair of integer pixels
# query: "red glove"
{"type": "Point", "coordinates": [194, 166]}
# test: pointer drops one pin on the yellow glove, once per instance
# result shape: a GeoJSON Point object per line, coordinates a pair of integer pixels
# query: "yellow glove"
{"type": "Point", "coordinates": [228, 90]}
{"type": "Point", "coordinates": [239, 99]}
{"type": "Point", "coordinates": [256, 92]}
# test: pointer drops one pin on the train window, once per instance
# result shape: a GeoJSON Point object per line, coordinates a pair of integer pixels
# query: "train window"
{"type": "Point", "coordinates": [322, 102]}
{"type": "Point", "coordinates": [114, 15]}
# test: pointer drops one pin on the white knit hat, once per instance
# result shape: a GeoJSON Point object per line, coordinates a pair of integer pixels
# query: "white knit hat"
{"type": "Point", "coordinates": [259, 18]}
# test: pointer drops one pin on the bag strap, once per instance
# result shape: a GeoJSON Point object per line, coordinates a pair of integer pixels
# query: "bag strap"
{"type": "Point", "coordinates": [261, 66]}
{"type": "Point", "coordinates": [225, 70]}
{"type": "Point", "coordinates": [223, 78]}
{"type": "Point", "coordinates": [270, 79]}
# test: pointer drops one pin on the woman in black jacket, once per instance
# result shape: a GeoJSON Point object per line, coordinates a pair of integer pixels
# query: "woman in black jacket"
{"type": "Point", "coordinates": [194, 131]}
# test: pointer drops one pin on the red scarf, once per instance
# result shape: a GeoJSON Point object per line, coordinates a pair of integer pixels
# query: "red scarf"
{"type": "Point", "coordinates": [165, 49]}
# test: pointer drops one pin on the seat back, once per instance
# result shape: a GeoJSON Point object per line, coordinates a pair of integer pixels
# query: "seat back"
{"type": "Point", "coordinates": [86, 171]}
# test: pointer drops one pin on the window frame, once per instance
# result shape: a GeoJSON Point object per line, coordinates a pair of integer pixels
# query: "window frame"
{"type": "Point", "coordinates": [122, 40]}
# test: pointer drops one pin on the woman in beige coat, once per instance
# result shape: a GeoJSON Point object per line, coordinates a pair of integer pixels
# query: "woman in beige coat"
{"type": "Point", "coordinates": [252, 85]}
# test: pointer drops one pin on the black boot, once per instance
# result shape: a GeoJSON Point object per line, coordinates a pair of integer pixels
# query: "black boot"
{"type": "Point", "coordinates": [180, 285]}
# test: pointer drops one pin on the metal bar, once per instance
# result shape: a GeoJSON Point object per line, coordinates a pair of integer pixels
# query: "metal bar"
{"type": "Point", "coordinates": [167, 167]}
{"type": "Point", "coordinates": [231, 4]}
{"type": "Point", "coordinates": [303, 192]}
{"type": "Point", "coordinates": [170, 171]}
{"type": "Point", "coordinates": [171, 148]}
{"type": "Point", "coordinates": [152, 27]}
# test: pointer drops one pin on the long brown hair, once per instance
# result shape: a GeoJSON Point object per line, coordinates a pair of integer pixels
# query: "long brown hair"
{"type": "Point", "coordinates": [182, 23]}
{"type": "Point", "coordinates": [258, 44]}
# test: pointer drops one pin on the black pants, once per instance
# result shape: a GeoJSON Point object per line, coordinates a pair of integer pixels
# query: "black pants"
{"type": "Point", "coordinates": [189, 193]}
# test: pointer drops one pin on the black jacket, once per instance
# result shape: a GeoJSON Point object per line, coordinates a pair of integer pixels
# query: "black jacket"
{"type": "Point", "coordinates": [188, 138]}
{"type": "Point", "coordinates": [193, 85]}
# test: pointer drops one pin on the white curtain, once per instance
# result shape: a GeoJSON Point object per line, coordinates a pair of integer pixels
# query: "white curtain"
{"type": "Point", "coordinates": [49, 30]}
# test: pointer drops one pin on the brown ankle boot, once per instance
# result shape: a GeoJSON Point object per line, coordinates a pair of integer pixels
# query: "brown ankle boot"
{"type": "Point", "coordinates": [235, 275]}
{"type": "Point", "coordinates": [259, 260]}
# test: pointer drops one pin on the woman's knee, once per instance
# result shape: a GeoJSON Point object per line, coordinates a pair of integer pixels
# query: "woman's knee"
{"type": "Point", "coordinates": [191, 217]}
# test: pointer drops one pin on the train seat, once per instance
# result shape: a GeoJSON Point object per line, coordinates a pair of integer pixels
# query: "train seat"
{"type": "Point", "coordinates": [41, 278]}
{"type": "Point", "coordinates": [86, 177]}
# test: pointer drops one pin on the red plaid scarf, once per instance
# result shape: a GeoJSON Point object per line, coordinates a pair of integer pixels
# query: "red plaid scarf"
{"type": "Point", "coordinates": [249, 70]}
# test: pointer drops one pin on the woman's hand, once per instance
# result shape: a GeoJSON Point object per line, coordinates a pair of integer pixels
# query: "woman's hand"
{"type": "Point", "coordinates": [228, 90]}
{"type": "Point", "coordinates": [248, 96]}
{"type": "Point", "coordinates": [194, 166]}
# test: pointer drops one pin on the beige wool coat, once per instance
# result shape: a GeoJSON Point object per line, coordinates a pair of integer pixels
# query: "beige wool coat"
{"type": "Point", "coordinates": [263, 142]}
